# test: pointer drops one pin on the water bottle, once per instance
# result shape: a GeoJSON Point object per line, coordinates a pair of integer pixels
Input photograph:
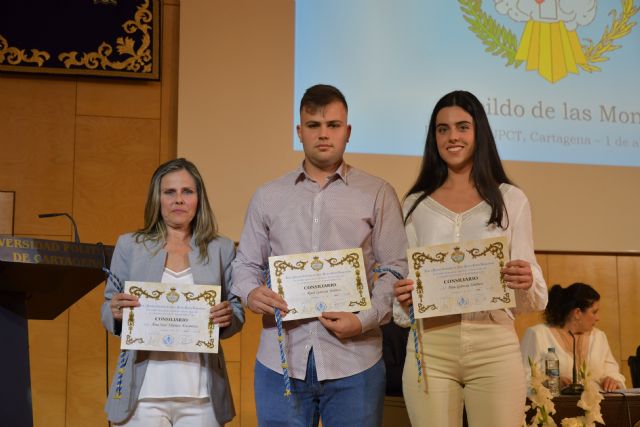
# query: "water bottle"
{"type": "Point", "coordinates": [552, 369]}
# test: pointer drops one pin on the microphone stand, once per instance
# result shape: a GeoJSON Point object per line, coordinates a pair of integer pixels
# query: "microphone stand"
{"type": "Point", "coordinates": [75, 227]}
{"type": "Point", "coordinates": [574, 388]}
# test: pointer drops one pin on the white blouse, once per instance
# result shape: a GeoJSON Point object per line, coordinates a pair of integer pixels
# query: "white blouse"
{"type": "Point", "coordinates": [175, 374]}
{"type": "Point", "coordinates": [600, 361]}
{"type": "Point", "coordinates": [431, 224]}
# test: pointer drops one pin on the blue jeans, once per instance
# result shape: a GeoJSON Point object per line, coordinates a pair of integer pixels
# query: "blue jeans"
{"type": "Point", "coordinates": [352, 401]}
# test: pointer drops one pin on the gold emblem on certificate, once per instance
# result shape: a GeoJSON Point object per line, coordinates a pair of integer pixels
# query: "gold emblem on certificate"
{"type": "Point", "coordinates": [311, 283]}
{"type": "Point", "coordinates": [171, 317]}
{"type": "Point", "coordinates": [459, 277]}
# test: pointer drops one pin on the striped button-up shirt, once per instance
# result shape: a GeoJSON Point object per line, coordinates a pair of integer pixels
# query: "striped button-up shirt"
{"type": "Point", "coordinates": [294, 214]}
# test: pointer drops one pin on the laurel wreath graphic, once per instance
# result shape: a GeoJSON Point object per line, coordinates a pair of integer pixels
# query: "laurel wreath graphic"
{"type": "Point", "coordinates": [620, 27]}
{"type": "Point", "coordinates": [500, 41]}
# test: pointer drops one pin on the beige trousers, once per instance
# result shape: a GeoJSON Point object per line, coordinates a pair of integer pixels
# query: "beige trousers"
{"type": "Point", "coordinates": [473, 364]}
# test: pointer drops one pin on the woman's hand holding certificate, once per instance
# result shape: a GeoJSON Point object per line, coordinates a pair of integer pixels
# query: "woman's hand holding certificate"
{"type": "Point", "coordinates": [313, 283]}
{"type": "Point", "coordinates": [517, 274]}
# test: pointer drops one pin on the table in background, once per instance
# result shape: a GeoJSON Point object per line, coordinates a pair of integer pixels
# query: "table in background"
{"type": "Point", "coordinates": [616, 409]}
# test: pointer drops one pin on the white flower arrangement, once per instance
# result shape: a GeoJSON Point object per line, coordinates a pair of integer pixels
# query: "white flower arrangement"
{"type": "Point", "coordinates": [541, 400]}
{"type": "Point", "coordinates": [589, 401]}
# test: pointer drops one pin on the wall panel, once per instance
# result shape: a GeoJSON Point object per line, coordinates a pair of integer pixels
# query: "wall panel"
{"type": "Point", "coordinates": [629, 303]}
{"type": "Point", "coordinates": [37, 119]}
{"type": "Point", "coordinates": [115, 98]}
{"type": "Point", "coordinates": [233, 370]}
{"type": "Point", "coordinates": [250, 339]}
{"type": "Point", "coordinates": [115, 158]}
{"type": "Point", "coordinates": [169, 76]}
{"type": "Point", "coordinates": [6, 211]}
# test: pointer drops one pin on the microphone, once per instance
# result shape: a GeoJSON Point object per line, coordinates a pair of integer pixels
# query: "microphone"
{"type": "Point", "coordinates": [574, 388]}
{"type": "Point", "coordinates": [75, 227]}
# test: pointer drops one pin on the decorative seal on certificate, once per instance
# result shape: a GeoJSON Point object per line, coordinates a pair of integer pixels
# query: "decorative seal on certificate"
{"type": "Point", "coordinates": [457, 256]}
{"type": "Point", "coordinates": [321, 306]}
{"type": "Point", "coordinates": [172, 296]}
{"type": "Point", "coordinates": [316, 264]}
{"type": "Point", "coordinates": [167, 340]}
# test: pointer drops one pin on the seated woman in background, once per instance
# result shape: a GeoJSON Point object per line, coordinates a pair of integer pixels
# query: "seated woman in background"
{"type": "Point", "coordinates": [573, 309]}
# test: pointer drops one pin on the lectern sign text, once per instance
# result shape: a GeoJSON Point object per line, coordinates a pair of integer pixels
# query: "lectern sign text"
{"type": "Point", "coordinates": [54, 252]}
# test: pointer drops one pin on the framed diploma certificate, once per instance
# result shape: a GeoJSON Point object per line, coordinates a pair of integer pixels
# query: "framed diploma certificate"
{"type": "Point", "coordinates": [322, 281]}
{"type": "Point", "coordinates": [459, 277]}
{"type": "Point", "coordinates": [171, 317]}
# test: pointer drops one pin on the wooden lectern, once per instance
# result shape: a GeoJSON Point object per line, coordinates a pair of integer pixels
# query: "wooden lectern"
{"type": "Point", "coordinates": [39, 279]}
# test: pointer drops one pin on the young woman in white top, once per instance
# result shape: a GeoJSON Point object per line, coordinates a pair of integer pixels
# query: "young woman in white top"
{"type": "Point", "coordinates": [462, 193]}
{"type": "Point", "coordinates": [573, 310]}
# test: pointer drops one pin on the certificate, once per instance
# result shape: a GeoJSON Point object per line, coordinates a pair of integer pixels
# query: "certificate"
{"type": "Point", "coordinates": [312, 283]}
{"type": "Point", "coordinates": [459, 277]}
{"type": "Point", "coordinates": [171, 317]}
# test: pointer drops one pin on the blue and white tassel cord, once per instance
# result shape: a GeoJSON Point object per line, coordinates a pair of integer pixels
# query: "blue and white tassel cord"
{"type": "Point", "coordinates": [281, 344]}
{"type": "Point", "coordinates": [412, 319]}
{"type": "Point", "coordinates": [122, 360]}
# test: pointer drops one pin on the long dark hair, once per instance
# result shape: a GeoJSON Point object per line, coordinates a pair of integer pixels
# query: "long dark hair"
{"type": "Point", "coordinates": [487, 172]}
{"type": "Point", "coordinates": [562, 301]}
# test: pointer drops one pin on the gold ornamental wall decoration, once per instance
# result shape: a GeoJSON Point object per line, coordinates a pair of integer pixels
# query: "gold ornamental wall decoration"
{"type": "Point", "coordinates": [15, 56]}
{"type": "Point", "coordinates": [81, 37]}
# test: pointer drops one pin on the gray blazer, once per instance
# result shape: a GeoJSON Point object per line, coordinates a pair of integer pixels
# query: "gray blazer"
{"type": "Point", "coordinates": [145, 263]}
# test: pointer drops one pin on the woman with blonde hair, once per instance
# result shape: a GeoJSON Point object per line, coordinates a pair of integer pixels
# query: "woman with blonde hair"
{"type": "Point", "coordinates": [179, 244]}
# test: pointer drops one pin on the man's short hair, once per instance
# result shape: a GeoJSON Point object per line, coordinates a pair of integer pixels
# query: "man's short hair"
{"type": "Point", "coordinates": [319, 96]}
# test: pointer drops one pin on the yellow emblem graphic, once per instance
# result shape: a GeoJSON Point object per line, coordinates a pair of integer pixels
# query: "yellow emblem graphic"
{"type": "Point", "coordinates": [549, 44]}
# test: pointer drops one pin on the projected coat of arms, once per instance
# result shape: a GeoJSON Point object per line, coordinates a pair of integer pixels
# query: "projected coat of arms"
{"type": "Point", "coordinates": [550, 43]}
